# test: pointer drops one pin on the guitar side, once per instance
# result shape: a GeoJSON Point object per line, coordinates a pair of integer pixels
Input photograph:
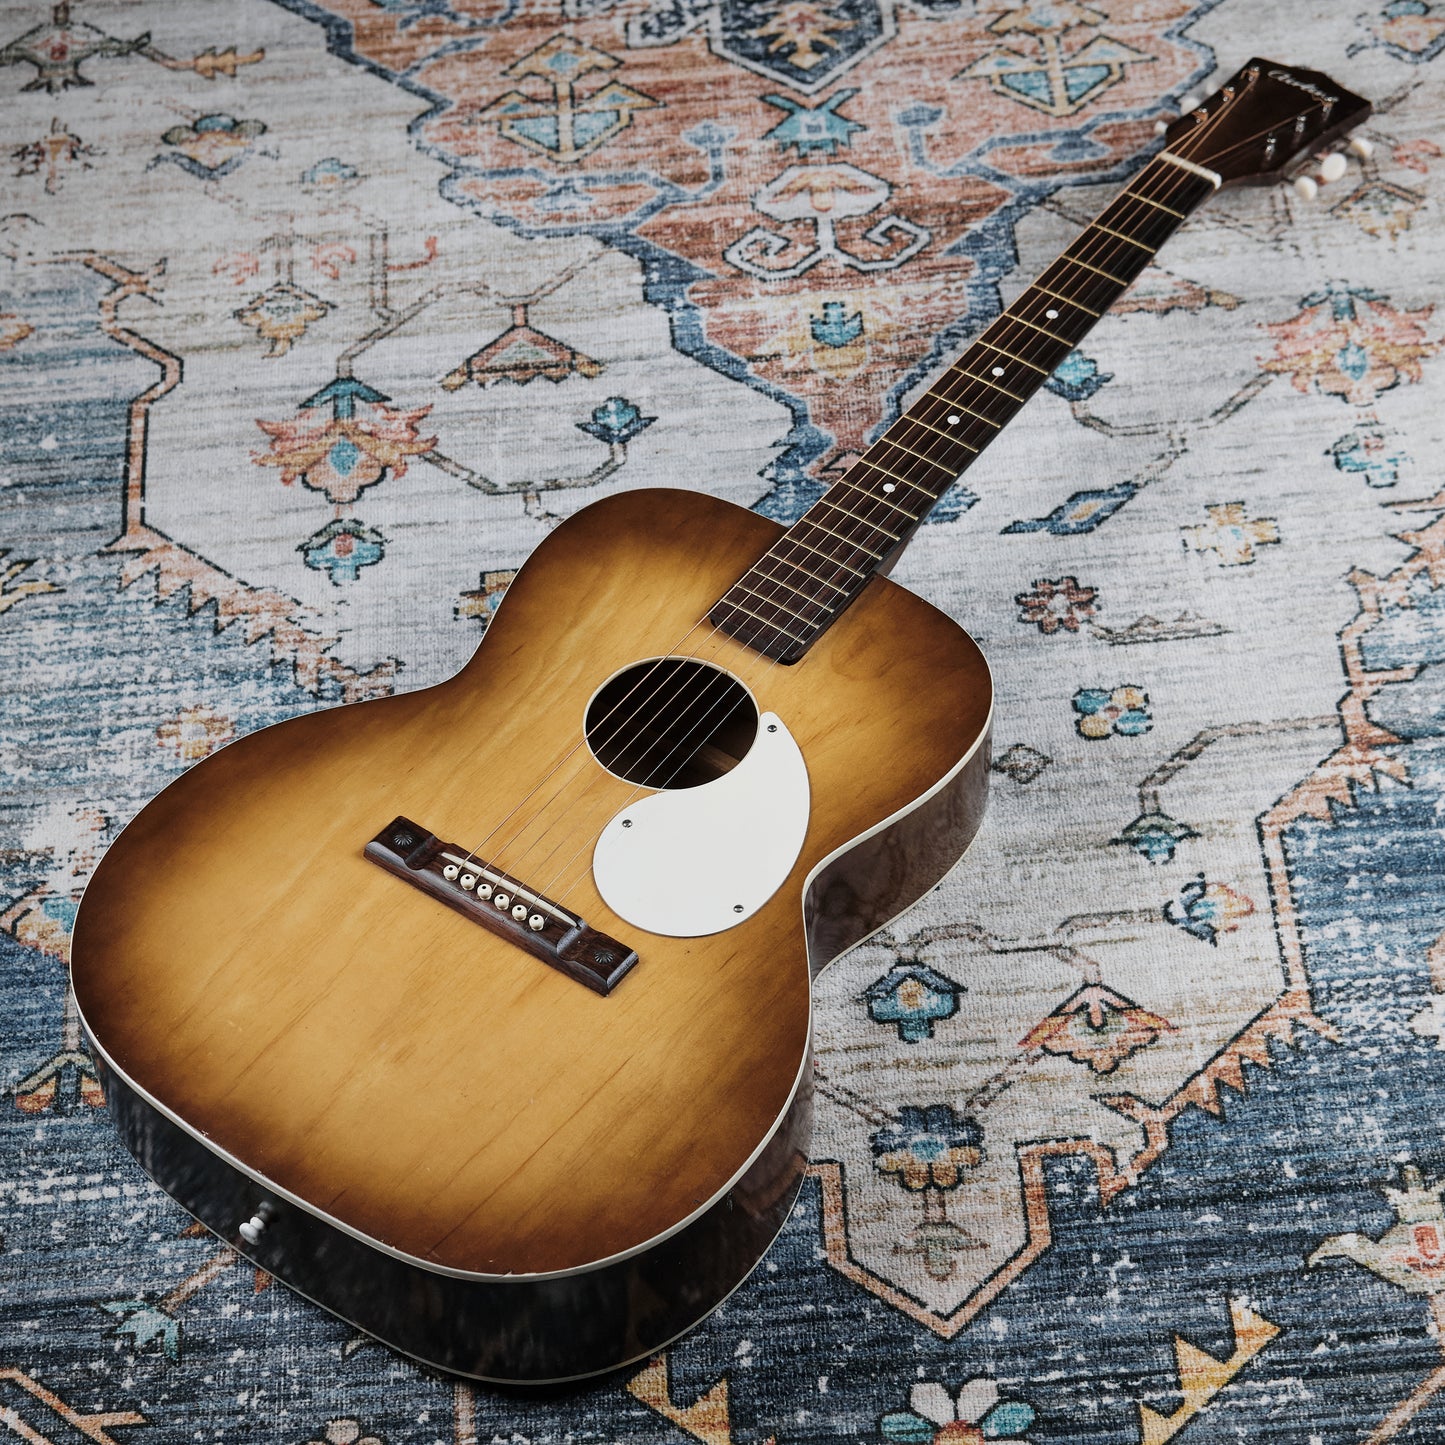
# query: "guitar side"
{"type": "Point", "coordinates": [224, 1032]}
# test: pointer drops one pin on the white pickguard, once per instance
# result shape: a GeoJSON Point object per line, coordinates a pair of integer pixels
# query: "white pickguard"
{"type": "Point", "coordinates": [699, 860]}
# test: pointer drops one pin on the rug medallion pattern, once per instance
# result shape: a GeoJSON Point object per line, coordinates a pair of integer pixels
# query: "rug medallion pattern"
{"type": "Point", "coordinates": [314, 318]}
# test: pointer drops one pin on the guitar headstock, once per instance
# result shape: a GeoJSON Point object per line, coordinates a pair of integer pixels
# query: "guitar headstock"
{"type": "Point", "coordinates": [1262, 120]}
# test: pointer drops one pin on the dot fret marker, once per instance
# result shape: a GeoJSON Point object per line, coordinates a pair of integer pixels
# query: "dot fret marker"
{"type": "Point", "coordinates": [1052, 314]}
{"type": "Point", "coordinates": [887, 486]}
{"type": "Point", "coordinates": [998, 371]}
{"type": "Point", "coordinates": [953, 421]}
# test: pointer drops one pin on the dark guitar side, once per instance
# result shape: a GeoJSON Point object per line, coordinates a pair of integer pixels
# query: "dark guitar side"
{"type": "Point", "coordinates": [467, 1153]}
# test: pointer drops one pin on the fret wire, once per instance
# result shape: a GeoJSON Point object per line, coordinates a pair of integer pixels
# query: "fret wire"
{"type": "Point", "coordinates": [839, 507]}
{"type": "Point", "coordinates": [1116, 221]}
{"type": "Point", "coordinates": [932, 461]}
{"type": "Point", "coordinates": [1128, 240]}
{"type": "Point", "coordinates": [959, 406]}
{"type": "Point", "coordinates": [1121, 218]}
{"type": "Point", "coordinates": [1158, 205]}
{"type": "Point", "coordinates": [984, 381]}
{"type": "Point", "coordinates": [1074, 261]}
{"type": "Point", "coordinates": [1042, 330]}
{"type": "Point", "coordinates": [778, 582]}
{"type": "Point", "coordinates": [887, 501]}
{"type": "Point", "coordinates": [806, 521]}
{"type": "Point", "coordinates": [994, 346]}
{"type": "Point", "coordinates": [940, 432]}
{"type": "Point", "coordinates": [905, 481]}
{"type": "Point", "coordinates": [798, 542]}
{"type": "Point", "coordinates": [782, 606]}
{"type": "Point", "coordinates": [797, 567]}
{"type": "Point", "coordinates": [1035, 286]}
{"type": "Point", "coordinates": [777, 627]}
{"type": "Point", "coordinates": [1086, 283]}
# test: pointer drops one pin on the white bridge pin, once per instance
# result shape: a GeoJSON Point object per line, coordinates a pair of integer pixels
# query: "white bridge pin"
{"type": "Point", "coordinates": [450, 872]}
{"type": "Point", "coordinates": [468, 881]}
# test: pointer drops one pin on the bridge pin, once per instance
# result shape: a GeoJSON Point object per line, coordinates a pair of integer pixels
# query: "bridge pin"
{"type": "Point", "coordinates": [519, 911]}
{"type": "Point", "coordinates": [502, 901]}
{"type": "Point", "coordinates": [484, 890]}
{"type": "Point", "coordinates": [536, 923]}
{"type": "Point", "coordinates": [450, 872]}
{"type": "Point", "coordinates": [468, 881]}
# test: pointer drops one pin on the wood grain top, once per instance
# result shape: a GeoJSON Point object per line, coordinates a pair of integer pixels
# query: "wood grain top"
{"type": "Point", "coordinates": [421, 1080]}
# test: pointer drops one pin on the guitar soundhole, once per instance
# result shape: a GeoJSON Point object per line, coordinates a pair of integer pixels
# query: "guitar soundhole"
{"type": "Point", "coordinates": [671, 722]}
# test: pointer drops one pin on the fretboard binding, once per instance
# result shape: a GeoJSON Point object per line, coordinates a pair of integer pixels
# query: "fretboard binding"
{"type": "Point", "coordinates": [1068, 301]}
{"type": "Point", "coordinates": [783, 606]}
{"type": "Point", "coordinates": [839, 507]}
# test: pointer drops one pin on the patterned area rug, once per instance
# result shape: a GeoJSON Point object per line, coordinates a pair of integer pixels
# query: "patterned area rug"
{"type": "Point", "coordinates": [315, 318]}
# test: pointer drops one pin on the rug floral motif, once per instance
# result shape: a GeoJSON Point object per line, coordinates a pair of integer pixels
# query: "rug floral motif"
{"type": "Point", "coordinates": [316, 317]}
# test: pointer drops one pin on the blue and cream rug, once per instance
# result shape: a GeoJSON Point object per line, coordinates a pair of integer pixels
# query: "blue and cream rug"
{"type": "Point", "coordinates": [314, 319]}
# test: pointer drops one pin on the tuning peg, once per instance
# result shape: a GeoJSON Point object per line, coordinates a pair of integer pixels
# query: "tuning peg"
{"type": "Point", "coordinates": [1331, 168]}
{"type": "Point", "coordinates": [1360, 147]}
{"type": "Point", "coordinates": [1187, 103]}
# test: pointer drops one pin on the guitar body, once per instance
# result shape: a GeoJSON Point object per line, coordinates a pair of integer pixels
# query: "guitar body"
{"type": "Point", "coordinates": [453, 1145]}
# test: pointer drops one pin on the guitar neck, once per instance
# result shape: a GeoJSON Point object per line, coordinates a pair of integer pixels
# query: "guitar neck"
{"type": "Point", "coordinates": [809, 576]}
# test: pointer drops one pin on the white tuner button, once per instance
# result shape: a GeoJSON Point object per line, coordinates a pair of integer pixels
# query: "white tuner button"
{"type": "Point", "coordinates": [1306, 187]}
{"type": "Point", "coordinates": [1359, 146]}
{"type": "Point", "coordinates": [484, 890]}
{"type": "Point", "coordinates": [519, 911]}
{"type": "Point", "coordinates": [536, 923]}
{"type": "Point", "coordinates": [468, 881]}
{"type": "Point", "coordinates": [502, 901]}
{"type": "Point", "coordinates": [1333, 166]}
{"type": "Point", "coordinates": [450, 872]}
{"type": "Point", "coordinates": [252, 1230]}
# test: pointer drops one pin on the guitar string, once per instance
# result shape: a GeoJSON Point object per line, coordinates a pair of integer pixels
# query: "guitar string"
{"type": "Point", "coordinates": [1138, 191]}
{"type": "Point", "coordinates": [839, 563]}
{"type": "Point", "coordinates": [673, 652]}
{"type": "Point", "coordinates": [1132, 193]}
{"type": "Point", "coordinates": [1136, 197]}
{"type": "Point", "coordinates": [1130, 197]}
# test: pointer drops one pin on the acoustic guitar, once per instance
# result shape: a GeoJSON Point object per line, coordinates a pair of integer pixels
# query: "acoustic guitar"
{"type": "Point", "coordinates": [481, 1015]}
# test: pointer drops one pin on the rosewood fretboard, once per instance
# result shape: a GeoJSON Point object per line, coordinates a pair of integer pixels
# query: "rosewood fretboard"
{"type": "Point", "coordinates": [805, 580]}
